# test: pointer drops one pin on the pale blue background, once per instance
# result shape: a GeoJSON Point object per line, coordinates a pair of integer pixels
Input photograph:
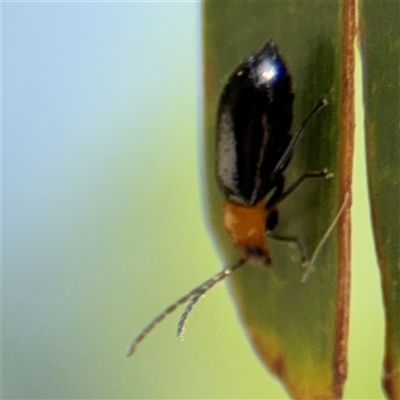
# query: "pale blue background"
{"type": "Point", "coordinates": [102, 216]}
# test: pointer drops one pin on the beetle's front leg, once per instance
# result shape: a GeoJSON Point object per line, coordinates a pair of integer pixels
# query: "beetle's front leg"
{"type": "Point", "coordinates": [272, 221]}
{"type": "Point", "coordinates": [293, 240]}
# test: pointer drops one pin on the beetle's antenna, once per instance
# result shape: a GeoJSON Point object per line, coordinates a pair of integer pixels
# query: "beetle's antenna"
{"type": "Point", "coordinates": [201, 290]}
{"type": "Point", "coordinates": [194, 294]}
{"type": "Point", "coordinates": [184, 317]}
{"type": "Point", "coordinates": [297, 135]}
{"type": "Point", "coordinates": [311, 264]}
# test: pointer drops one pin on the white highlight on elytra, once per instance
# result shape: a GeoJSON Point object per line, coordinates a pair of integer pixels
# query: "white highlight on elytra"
{"type": "Point", "coordinates": [227, 163]}
{"type": "Point", "coordinates": [266, 71]}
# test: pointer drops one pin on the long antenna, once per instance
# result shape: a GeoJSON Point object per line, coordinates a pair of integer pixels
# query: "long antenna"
{"type": "Point", "coordinates": [195, 294]}
{"type": "Point", "coordinates": [297, 135]}
{"type": "Point", "coordinates": [202, 290]}
{"type": "Point", "coordinates": [182, 322]}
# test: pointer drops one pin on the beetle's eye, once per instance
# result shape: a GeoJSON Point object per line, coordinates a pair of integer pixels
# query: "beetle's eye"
{"type": "Point", "coordinates": [272, 220]}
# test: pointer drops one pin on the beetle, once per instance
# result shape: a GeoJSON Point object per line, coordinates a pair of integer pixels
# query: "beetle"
{"type": "Point", "coordinates": [254, 147]}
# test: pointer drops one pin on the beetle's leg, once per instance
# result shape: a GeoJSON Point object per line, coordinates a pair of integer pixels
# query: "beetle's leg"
{"type": "Point", "coordinates": [293, 240]}
{"type": "Point", "coordinates": [272, 221]}
{"type": "Point", "coordinates": [313, 174]}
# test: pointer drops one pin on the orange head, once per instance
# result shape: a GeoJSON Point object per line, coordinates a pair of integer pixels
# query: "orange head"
{"type": "Point", "coordinates": [246, 226]}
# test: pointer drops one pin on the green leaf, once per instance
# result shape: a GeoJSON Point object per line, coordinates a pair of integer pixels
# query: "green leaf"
{"type": "Point", "coordinates": [380, 23]}
{"type": "Point", "coordinates": [299, 330]}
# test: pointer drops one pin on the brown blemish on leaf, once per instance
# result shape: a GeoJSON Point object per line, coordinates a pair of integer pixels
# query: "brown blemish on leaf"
{"type": "Point", "coordinates": [279, 367]}
{"type": "Point", "coordinates": [391, 376]}
{"type": "Point", "coordinates": [270, 351]}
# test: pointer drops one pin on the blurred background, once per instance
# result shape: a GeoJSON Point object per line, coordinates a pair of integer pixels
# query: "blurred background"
{"type": "Point", "coordinates": [102, 214]}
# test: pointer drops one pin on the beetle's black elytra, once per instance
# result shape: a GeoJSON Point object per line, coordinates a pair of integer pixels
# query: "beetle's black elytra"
{"type": "Point", "coordinates": [253, 129]}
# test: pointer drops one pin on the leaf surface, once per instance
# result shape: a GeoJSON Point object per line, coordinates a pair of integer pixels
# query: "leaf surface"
{"type": "Point", "coordinates": [299, 330]}
{"type": "Point", "coordinates": [380, 23]}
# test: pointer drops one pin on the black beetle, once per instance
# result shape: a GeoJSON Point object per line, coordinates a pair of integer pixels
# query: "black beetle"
{"type": "Point", "coordinates": [254, 147]}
